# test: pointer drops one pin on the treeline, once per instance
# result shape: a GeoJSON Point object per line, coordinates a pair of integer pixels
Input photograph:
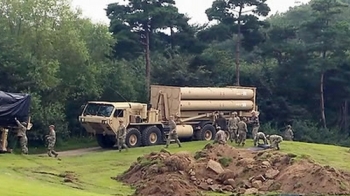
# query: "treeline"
{"type": "Point", "coordinates": [298, 60]}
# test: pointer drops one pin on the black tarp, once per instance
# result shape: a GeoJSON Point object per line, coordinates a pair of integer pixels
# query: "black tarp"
{"type": "Point", "coordinates": [260, 147]}
{"type": "Point", "coordinates": [13, 105]}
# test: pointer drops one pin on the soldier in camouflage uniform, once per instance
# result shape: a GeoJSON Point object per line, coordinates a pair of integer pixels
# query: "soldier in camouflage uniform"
{"type": "Point", "coordinates": [3, 139]}
{"type": "Point", "coordinates": [220, 136]}
{"type": "Point", "coordinates": [289, 135]}
{"type": "Point", "coordinates": [232, 127]}
{"type": "Point", "coordinates": [121, 136]}
{"type": "Point", "coordinates": [51, 141]}
{"type": "Point", "coordinates": [172, 134]}
{"type": "Point", "coordinates": [22, 135]}
{"type": "Point", "coordinates": [275, 140]}
{"type": "Point", "coordinates": [242, 131]}
{"type": "Point", "coordinates": [259, 136]}
{"type": "Point", "coordinates": [256, 124]}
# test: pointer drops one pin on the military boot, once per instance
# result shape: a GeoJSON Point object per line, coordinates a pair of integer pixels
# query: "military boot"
{"type": "Point", "coordinates": [278, 148]}
{"type": "Point", "coordinates": [55, 153]}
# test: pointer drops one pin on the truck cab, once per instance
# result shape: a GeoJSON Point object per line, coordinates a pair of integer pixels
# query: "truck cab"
{"type": "Point", "coordinates": [102, 120]}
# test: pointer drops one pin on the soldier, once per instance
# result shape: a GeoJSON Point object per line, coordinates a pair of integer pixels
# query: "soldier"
{"type": "Point", "coordinates": [256, 124]}
{"type": "Point", "coordinates": [289, 135]}
{"type": "Point", "coordinates": [260, 136]}
{"type": "Point", "coordinates": [121, 136]}
{"type": "Point", "coordinates": [220, 137]}
{"type": "Point", "coordinates": [172, 134]}
{"type": "Point", "coordinates": [242, 131]}
{"type": "Point", "coordinates": [232, 127]}
{"type": "Point", "coordinates": [22, 135]}
{"type": "Point", "coordinates": [51, 141]}
{"type": "Point", "coordinates": [3, 140]}
{"type": "Point", "coordinates": [221, 122]}
{"type": "Point", "coordinates": [275, 140]}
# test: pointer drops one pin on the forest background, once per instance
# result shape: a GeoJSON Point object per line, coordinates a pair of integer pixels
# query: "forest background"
{"type": "Point", "coordinates": [299, 60]}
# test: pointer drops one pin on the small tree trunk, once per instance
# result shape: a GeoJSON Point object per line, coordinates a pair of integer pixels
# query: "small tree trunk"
{"type": "Point", "coordinates": [172, 38]}
{"type": "Point", "coordinates": [238, 46]}
{"type": "Point", "coordinates": [345, 116]}
{"type": "Point", "coordinates": [148, 65]}
{"type": "Point", "coordinates": [323, 115]}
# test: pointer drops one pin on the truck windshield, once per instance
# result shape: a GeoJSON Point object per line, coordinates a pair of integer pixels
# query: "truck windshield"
{"type": "Point", "coordinates": [95, 109]}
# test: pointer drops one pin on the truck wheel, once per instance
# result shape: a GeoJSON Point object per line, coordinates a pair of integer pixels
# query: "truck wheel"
{"type": "Point", "coordinates": [133, 138]}
{"type": "Point", "coordinates": [104, 141]}
{"type": "Point", "coordinates": [151, 136]}
{"type": "Point", "coordinates": [207, 133]}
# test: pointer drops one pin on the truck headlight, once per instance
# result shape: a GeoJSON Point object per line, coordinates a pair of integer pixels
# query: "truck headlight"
{"type": "Point", "coordinates": [82, 120]}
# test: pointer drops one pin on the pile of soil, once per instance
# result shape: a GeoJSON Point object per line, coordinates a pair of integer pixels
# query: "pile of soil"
{"type": "Point", "coordinates": [222, 168]}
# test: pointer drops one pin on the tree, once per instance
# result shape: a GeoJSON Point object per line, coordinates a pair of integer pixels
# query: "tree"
{"type": "Point", "coordinates": [144, 18]}
{"type": "Point", "coordinates": [49, 51]}
{"type": "Point", "coordinates": [232, 12]}
{"type": "Point", "coordinates": [327, 41]}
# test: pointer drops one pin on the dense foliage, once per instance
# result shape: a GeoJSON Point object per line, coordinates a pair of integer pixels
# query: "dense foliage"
{"type": "Point", "coordinates": [298, 60]}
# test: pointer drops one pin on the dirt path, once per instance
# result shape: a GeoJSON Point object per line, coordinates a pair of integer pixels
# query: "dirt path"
{"type": "Point", "coordinates": [77, 152]}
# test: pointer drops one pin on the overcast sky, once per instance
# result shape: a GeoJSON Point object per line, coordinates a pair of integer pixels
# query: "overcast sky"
{"type": "Point", "coordinates": [196, 11]}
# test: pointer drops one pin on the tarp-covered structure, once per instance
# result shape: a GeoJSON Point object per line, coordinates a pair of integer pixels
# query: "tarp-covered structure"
{"type": "Point", "coordinates": [14, 105]}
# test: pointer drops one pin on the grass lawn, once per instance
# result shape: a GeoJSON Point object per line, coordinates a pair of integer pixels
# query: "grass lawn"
{"type": "Point", "coordinates": [71, 144]}
{"type": "Point", "coordinates": [19, 177]}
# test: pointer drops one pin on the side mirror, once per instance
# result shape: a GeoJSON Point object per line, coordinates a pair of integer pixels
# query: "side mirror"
{"type": "Point", "coordinates": [82, 106]}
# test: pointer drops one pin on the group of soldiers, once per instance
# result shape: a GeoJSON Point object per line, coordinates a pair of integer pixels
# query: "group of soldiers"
{"type": "Point", "coordinates": [238, 130]}
{"type": "Point", "coordinates": [21, 135]}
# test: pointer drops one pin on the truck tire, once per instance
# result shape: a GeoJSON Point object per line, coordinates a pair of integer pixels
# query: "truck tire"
{"type": "Point", "coordinates": [104, 141]}
{"type": "Point", "coordinates": [133, 138]}
{"type": "Point", "coordinates": [207, 133]}
{"type": "Point", "coordinates": [151, 136]}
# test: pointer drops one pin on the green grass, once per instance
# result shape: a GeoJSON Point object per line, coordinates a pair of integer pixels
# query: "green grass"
{"type": "Point", "coordinates": [334, 156]}
{"type": "Point", "coordinates": [71, 144]}
{"type": "Point", "coordinates": [94, 170]}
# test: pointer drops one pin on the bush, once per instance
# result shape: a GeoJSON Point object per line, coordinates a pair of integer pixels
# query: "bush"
{"type": "Point", "coordinates": [307, 131]}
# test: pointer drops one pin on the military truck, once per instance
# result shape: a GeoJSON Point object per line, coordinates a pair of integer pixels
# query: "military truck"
{"type": "Point", "coordinates": [195, 109]}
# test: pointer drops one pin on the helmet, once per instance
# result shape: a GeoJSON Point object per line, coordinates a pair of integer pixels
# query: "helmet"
{"type": "Point", "coordinates": [234, 113]}
{"type": "Point", "coordinates": [218, 128]}
{"type": "Point", "coordinates": [288, 126]}
{"type": "Point", "coordinates": [267, 136]}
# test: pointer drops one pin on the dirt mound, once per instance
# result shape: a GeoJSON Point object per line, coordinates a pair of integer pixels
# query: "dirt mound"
{"type": "Point", "coordinates": [222, 168]}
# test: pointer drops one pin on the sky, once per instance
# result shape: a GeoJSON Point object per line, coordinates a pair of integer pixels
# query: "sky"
{"type": "Point", "coordinates": [196, 11]}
